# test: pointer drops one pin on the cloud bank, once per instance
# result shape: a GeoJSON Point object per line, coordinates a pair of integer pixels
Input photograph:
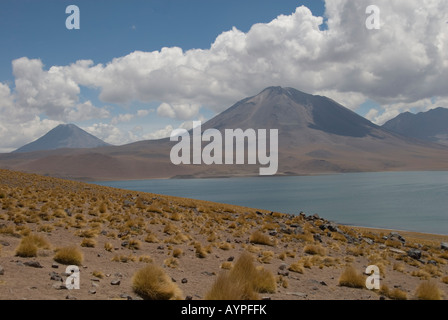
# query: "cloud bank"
{"type": "Point", "coordinates": [403, 65]}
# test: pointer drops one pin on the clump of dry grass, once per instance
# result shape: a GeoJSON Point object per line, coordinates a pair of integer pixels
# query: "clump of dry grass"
{"type": "Point", "coordinates": [88, 243]}
{"type": "Point", "coordinates": [266, 256]}
{"type": "Point", "coordinates": [108, 246]}
{"type": "Point", "coordinates": [124, 258]}
{"type": "Point", "coordinates": [30, 244]}
{"type": "Point", "coordinates": [69, 256]}
{"type": "Point", "coordinates": [243, 282]}
{"type": "Point", "coordinates": [177, 253]}
{"type": "Point", "coordinates": [314, 250]}
{"type": "Point", "coordinates": [296, 267]}
{"type": "Point", "coordinates": [350, 277]}
{"type": "Point", "coordinates": [428, 290]}
{"type": "Point", "coordinates": [445, 280]}
{"type": "Point", "coordinates": [145, 259]}
{"type": "Point", "coordinates": [98, 274]}
{"type": "Point", "coordinates": [258, 237]}
{"type": "Point", "coordinates": [151, 238]}
{"type": "Point", "coordinates": [152, 283]}
{"type": "Point", "coordinates": [227, 265]}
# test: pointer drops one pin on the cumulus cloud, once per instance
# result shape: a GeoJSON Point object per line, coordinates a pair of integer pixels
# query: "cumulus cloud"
{"type": "Point", "coordinates": [403, 65]}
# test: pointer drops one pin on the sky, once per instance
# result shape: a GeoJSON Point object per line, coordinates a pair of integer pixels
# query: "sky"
{"type": "Point", "coordinates": [138, 69]}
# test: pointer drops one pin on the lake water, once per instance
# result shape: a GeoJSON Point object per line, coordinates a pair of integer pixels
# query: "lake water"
{"type": "Point", "coordinates": [414, 201]}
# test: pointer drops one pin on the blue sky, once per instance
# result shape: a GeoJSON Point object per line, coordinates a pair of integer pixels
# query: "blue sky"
{"type": "Point", "coordinates": [138, 69]}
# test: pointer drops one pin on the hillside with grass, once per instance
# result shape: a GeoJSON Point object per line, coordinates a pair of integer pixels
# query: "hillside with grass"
{"type": "Point", "coordinates": [134, 245]}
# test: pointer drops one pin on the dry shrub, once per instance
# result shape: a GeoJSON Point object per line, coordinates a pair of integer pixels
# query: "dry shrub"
{"type": "Point", "coordinates": [88, 243]}
{"type": "Point", "coordinates": [108, 246]}
{"type": "Point", "coordinates": [296, 267]}
{"type": "Point", "coordinates": [398, 294]}
{"type": "Point", "coordinates": [445, 280]}
{"type": "Point", "coordinates": [266, 256]}
{"type": "Point", "coordinates": [314, 250]}
{"type": "Point", "coordinates": [258, 237]}
{"type": "Point", "coordinates": [352, 278]}
{"type": "Point", "coordinates": [145, 259]}
{"type": "Point", "coordinates": [428, 290]}
{"type": "Point", "coordinates": [98, 274]}
{"type": "Point", "coordinates": [152, 283]}
{"type": "Point", "coordinates": [243, 282]}
{"type": "Point", "coordinates": [177, 252]}
{"type": "Point", "coordinates": [400, 267]}
{"type": "Point", "coordinates": [30, 244]}
{"type": "Point", "coordinates": [123, 258]}
{"type": "Point", "coordinates": [227, 265]}
{"type": "Point", "coordinates": [69, 255]}
{"type": "Point", "coordinates": [224, 245]}
{"type": "Point", "coordinates": [171, 262]}
{"type": "Point", "coordinates": [151, 238]}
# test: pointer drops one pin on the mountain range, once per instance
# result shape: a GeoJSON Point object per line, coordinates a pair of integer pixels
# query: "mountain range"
{"type": "Point", "coordinates": [431, 125]}
{"type": "Point", "coordinates": [316, 135]}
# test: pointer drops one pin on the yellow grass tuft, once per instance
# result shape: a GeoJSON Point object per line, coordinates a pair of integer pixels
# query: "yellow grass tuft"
{"type": "Point", "coordinates": [69, 255]}
{"type": "Point", "coordinates": [88, 243]}
{"type": "Point", "coordinates": [258, 237]}
{"type": "Point", "coordinates": [108, 246]}
{"type": "Point", "coordinates": [352, 278]}
{"type": "Point", "coordinates": [177, 253]}
{"type": "Point", "coordinates": [428, 290]}
{"type": "Point", "coordinates": [152, 283]}
{"type": "Point", "coordinates": [314, 250]}
{"type": "Point", "coordinates": [296, 267]}
{"type": "Point", "coordinates": [227, 265]}
{"type": "Point", "coordinates": [30, 244]}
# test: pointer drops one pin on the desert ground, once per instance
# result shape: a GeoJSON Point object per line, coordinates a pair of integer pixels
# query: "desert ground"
{"type": "Point", "coordinates": [134, 245]}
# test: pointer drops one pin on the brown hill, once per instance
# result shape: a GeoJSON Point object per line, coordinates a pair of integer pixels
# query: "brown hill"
{"type": "Point", "coordinates": [316, 135]}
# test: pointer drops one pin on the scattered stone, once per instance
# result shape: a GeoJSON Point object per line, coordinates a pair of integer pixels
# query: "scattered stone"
{"type": "Point", "coordinates": [20, 263]}
{"type": "Point", "coordinates": [259, 213]}
{"type": "Point", "coordinates": [188, 298]}
{"type": "Point", "coordinates": [128, 203]}
{"type": "Point", "coordinates": [323, 283]}
{"type": "Point", "coordinates": [160, 247]}
{"type": "Point", "coordinates": [4, 243]}
{"type": "Point", "coordinates": [382, 246]}
{"type": "Point", "coordinates": [415, 254]}
{"type": "Point", "coordinates": [398, 251]}
{"type": "Point", "coordinates": [95, 285]}
{"type": "Point", "coordinates": [315, 216]}
{"type": "Point", "coordinates": [382, 298]}
{"type": "Point", "coordinates": [92, 291]}
{"type": "Point", "coordinates": [103, 233]}
{"type": "Point", "coordinates": [317, 237]}
{"type": "Point", "coordinates": [55, 276]}
{"type": "Point", "coordinates": [125, 296]}
{"type": "Point", "coordinates": [125, 243]}
{"type": "Point", "coordinates": [231, 258]}
{"type": "Point", "coordinates": [58, 286]}
{"type": "Point", "coordinates": [294, 225]}
{"type": "Point", "coordinates": [2, 271]}
{"type": "Point", "coordinates": [69, 297]}
{"type": "Point", "coordinates": [266, 298]}
{"type": "Point", "coordinates": [315, 288]}
{"type": "Point", "coordinates": [184, 280]}
{"type": "Point", "coordinates": [118, 275]}
{"type": "Point", "coordinates": [173, 280]}
{"type": "Point", "coordinates": [282, 266]}
{"type": "Point", "coordinates": [55, 266]}
{"type": "Point", "coordinates": [98, 255]}
{"type": "Point", "coordinates": [368, 241]}
{"type": "Point", "coordinates": [208, 273]}
{"type": "Point", "coordinates": [273, 233]}
{"type": "Point", "coordinates": [284, 273]}
{"type": "Point", "coordinates": [298, 294]}
{"type": "Point", "coordinates": [33, 264]}
{"type": "Point", "coordinates": [432, 262]}
{"type": "Point", "coordinates": [444, 245]}
{"type": "Point", "coordinates": [115, 282]}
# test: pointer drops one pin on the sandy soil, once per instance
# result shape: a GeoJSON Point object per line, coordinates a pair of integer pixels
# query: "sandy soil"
{"type": "Point", "coordinates": [61, 210]}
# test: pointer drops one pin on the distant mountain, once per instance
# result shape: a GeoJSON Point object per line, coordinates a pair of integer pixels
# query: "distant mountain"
{"type": "Point", "coordinates": [315, 135]}
{"type": "Point", "coordinates": [63, 136]}
{"type": "Point", "coordinates": [430, 126]}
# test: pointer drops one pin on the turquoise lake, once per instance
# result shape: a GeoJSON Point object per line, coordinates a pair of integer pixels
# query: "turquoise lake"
{"type": "Point", "coordinates": [414, 201]}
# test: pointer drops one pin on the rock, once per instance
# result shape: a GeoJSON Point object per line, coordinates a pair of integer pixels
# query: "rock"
{"type": "Point", "coordinates": [68, 212]}
{"type": "Point", "coordinates": [368, 241]}
{"type": "Point", "coordinates": [282, 266]}
{"type": "Point", "coordinates": [4, 243]}
{"type": "Point", "coordinates": [92, 291]}
{"type": "Point", "coordinates": [58, 286]}
{"type": "Point", "coordinates": [415, 254]}
{"type": "Point", "coordinates": [298, 294]}
{"type": "Point", "coordinates": [125, 296]}
{"type": "Point", "coordinates": [382, 298]}
{"type": "Point", "coordinates": [208, 273]}
{"type": "Point", "coordinates": [315, 216]}
{"type": "Point", "coordinates": [125, 243]}
{"type": "Point", "coordinates": [398, 251]}
{"type": "Point", "coordinates": [294, 225]}
{"type": "Point", "coordinates": [33, 264]}
{"type": "Point", "coordinates": [69, 297]}
{"type": "Point", "coordinates": [188, 298]}
{"type": "Point", "coordinates": [317, 237]}
{"type": "Point", "coordinates": [20, 263]}
{"type": "Point", "coordinates": [127, 203]}
{"type": "Point", "coordinates": [55, 266]}
{"type": "Point", "coordinates": [273, 233]}
{"type": "Point", "coordinates": [2, 271]}
{"type": "Point", "coordinates": [283, 273]}
{"type": "Point", "coordinates": [160, 247]}
{"type": "Point", "coordinates": [259, 213]}
{"type": "Point", "coordinates": [55, 276]}
{"type": "Point", "coordinates": [115, 282]}
{"type": "Point", "coordinates": [184, 280]}
{"type": "Point", "coordinates": [231, 258]}
{"type": "Point", "coordinates": [432, 262]}
{"type": "Point", "coordinates": [444, 245]}
{"type": "Point", "coordinates": [266, 298]}
{"type": "Point", "coordinates": [323, 283]}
